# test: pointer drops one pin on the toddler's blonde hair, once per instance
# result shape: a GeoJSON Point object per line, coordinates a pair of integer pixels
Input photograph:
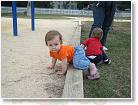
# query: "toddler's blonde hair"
{"type": "Point", "coordinates": [97, 32]}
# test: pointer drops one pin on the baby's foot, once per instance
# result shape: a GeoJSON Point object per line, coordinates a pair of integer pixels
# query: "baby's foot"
{"type": "Point", "coordinates": [94, 76]}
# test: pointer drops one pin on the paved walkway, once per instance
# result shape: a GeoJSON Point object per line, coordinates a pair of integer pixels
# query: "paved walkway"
{"type": "Point", "coordinates": [91, 19]}
{"type": "Point", "coordinates": [25, 58]}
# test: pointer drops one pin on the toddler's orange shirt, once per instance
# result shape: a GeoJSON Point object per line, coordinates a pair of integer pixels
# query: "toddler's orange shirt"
{"type": "Point", "coordinates": [64, 52]}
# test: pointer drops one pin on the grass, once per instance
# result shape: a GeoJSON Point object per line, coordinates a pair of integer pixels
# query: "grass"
{"type": "Point", "coordinates": [40, 16]}
{"type": "Point", "coordinates": [115, 81]}
{"type": "Point", "coordinates": [50, 16]}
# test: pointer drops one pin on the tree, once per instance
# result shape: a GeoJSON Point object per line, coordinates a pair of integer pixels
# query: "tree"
{"type": "Point", "coordinates": [122, 5]}
{"type": "Point", "coordinates": [83, 4]}
{"type": "Point", "coordinates": [66, 4]}
{"type": "Point", "coordinates": [6, 3]}
{"type": "Point", "coordinates": [43, 4]}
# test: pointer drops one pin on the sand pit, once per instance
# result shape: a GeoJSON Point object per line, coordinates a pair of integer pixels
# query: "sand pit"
{"type": "Point", "coordinates": [25, 58]}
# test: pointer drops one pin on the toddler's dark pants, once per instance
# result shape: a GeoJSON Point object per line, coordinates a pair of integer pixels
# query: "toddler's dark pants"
{"type": "Point", "coordinates": [98, 58]}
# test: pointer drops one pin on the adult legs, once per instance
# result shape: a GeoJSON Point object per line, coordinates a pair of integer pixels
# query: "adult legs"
{"type": "Point", "coordinates": [109, 15]}
{"type": "Point", "coordinates": [98, 15]}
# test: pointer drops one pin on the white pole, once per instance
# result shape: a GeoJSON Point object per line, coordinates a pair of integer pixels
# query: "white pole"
{"type": "Point", "coordinates": [29, 8]}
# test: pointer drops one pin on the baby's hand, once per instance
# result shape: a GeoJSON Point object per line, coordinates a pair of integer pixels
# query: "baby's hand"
{"type": "Point", "coordinates": [82, 46]}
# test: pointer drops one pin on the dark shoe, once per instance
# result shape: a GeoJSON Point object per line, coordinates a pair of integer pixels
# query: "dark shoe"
{"type": "Point", "coordinates": [108, 61]}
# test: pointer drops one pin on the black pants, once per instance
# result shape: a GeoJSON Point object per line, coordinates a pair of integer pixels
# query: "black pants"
{"type": "Point", "coordinates": [98, 58]}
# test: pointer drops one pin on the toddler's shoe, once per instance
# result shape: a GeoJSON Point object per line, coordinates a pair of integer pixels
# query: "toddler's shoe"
{"type": "Point", "coordinates": [105, 48]}
{"type": "Point", "coordinates": [94, 77]}
{"type": "Point", "coordinates": [107, 61]}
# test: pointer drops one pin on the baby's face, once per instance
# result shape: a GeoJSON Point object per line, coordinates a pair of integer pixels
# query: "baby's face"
{"type": "Point", "coordinates": [54, 44]}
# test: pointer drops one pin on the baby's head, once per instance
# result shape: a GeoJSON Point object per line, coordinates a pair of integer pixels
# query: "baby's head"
{"type": "Point", "coordinates": [97, 33]}
{"type": "Point", "coordinates": [53, 40]}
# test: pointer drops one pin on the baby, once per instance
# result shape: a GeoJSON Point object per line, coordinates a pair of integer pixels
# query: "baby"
{"type": "Point", "coordinates": [94, 51]}
{"type": "Point", "coordinates": [68, 55]}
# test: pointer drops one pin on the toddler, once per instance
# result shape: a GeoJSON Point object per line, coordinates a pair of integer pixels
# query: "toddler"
{"type": "Point", "coordinates": [67, 55]}
{"type": "Point", "coordinates": [94, 48]}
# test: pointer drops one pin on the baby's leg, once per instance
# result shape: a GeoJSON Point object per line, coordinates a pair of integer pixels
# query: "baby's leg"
{"type": "Point", "coordinates": [93, 69]}
{"type": "Point", "coordinates": [61, 72]}
{"type": "Point", "coordinates": [93, 72]}
{"type": "Point", "coordinates": [64, 66]}
{"type": "Point", "coordinates": [96, 60]}
{"type": "Point", "coordinates": [58, 67]}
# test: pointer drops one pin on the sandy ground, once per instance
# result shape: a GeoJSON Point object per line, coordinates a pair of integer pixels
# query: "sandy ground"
{"type": "Point", "coordinates": [25, 58]}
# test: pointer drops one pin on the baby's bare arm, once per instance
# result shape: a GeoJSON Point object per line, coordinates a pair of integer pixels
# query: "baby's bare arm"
{"type": "Point", "coordinates": [53, 62]}
{"type": "Point", "coordinates": [64, 65]}
{"type": "Point", "coordinates": [82, 46]}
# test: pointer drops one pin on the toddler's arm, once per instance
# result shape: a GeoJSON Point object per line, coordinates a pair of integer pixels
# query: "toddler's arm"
{"type": "Point", "coordinates": [53, 62]}
{"type": "Point", "coordinates": [64, 65]}
{"type": "Point", "coordinates": [82, 46]}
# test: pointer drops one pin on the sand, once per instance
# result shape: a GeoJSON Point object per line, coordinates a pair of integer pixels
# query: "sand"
{"type": "Point", "coordinates": [24, 59]}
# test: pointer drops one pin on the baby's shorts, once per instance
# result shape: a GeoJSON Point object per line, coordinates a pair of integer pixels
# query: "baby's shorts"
{"type": "Point", "coordinates": [80, 61]}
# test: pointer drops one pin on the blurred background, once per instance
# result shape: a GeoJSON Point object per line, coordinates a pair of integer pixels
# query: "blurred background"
{"type": "Point", "coordinates": [69, 8]}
